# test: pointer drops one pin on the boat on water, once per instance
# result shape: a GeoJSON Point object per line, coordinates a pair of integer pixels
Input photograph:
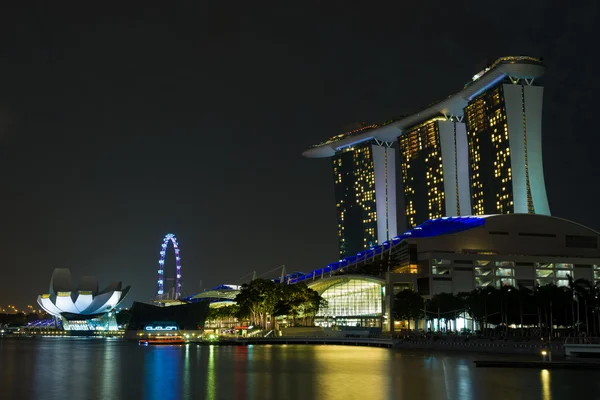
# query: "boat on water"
{"type": "Point", "coordinates": [162, 340]}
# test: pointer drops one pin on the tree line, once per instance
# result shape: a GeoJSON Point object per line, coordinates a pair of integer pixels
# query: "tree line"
{"type": "Point", "coordinates": [262, 298]}
{"type": "Point", "coordinates": [574, 308]}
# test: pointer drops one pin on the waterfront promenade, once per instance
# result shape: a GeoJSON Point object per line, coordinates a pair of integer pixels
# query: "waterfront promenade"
{"type": "Point", "coordinates": [460, 344]}
{"type": "Point", "coordinates": [483, 345]}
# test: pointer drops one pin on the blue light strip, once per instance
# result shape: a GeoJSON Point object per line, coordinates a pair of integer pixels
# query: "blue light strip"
{"type": "Point", "coordinates": [486, 87]}
{"type": "Point", "coordinates": [354, 143]}
{"type": "Point", "coordinates": [430, 228]}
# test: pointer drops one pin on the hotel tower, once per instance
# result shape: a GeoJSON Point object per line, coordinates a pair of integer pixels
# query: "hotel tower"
{"type": "Point", "coordinates": [477, 152]}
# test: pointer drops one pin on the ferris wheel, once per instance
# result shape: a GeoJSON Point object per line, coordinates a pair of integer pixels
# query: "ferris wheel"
{"type": "Point", "coordinates": [161, 268]}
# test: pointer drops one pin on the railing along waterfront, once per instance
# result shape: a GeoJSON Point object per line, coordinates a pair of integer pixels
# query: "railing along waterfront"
{"type": "Point", "coordinates": [583, 340]}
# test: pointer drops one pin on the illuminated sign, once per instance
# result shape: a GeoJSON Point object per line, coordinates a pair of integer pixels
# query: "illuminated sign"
{"type": "Point", "coordinates": [161, 328]}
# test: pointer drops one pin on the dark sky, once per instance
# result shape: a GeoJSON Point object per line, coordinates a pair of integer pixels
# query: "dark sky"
{"type": "Point", "coordinates": [120, 125]}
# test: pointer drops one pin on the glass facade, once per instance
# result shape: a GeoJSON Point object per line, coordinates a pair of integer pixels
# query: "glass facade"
{"type": "Point", "coordinates": [489, 154]}
{"type": "Point", "coordinates": [422, 173]}
{"type": "Point", "coordinates": [503, 273]}
{"type": "Point", "coordinates": [104, 322]}
{"type": "Point", "coordinates": [497, 274]}
{"type": "Point", "coordinates": [351, 302]}
{"type": "Point", "coordinates": [354, 178]}
{"type": "Point", "coordinates": [553, 273]}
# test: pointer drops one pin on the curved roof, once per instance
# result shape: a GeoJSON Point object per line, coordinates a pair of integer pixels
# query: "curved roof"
{"type": "Point", "coordinates": [63, 300]}
{"type": "Point", "coordinates": [322, 285]}
{"type": "Point", "coordinates": [61, 281]}
{"type": "Point", "coordinates": [89, 284]}
{"type": "Point", "coordinates": [430, 228]}
{"type": "Point", "coordinates": [522, 67]}
{"type": "Point", "coordinates": [447, 226]}
{"type": "Point", "coordinates": [222, 292]}
{"type": "Point", "coordinates": [526, 220]}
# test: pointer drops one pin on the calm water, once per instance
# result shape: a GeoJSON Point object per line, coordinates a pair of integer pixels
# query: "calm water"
{"type": "Point", "coordinates": [59, 368]}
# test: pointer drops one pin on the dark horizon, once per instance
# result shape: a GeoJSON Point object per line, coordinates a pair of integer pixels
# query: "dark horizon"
{"type": "Point", "coordinates": [118, 127]}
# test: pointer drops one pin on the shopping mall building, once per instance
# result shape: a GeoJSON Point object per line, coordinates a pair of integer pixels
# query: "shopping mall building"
{"type": "Point", "coordinates": [450, 255]}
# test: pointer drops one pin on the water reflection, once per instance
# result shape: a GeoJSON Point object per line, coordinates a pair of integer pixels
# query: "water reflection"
{"type": "Point", "coordinates": [240, 359]}
{"type": "Point", "coordinates": [162, 366]}
{"type": "Point", "coordinates": [463, 380]}
{"type": "Point", "coordinates": [545, 378]}
{"type": "Point", "coordinates": [352, 373]}
{"type": "Point", "coordinates": [186, 373]}
{"type": "Point", "coordinates": [110, 367]}
{"type": "Point", "coordinates": [95, 369]}
{"type": "Point", "coordinates": [210, 374]}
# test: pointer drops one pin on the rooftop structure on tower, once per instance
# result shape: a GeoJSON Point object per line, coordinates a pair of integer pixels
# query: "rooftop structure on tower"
{"type": "Point", "coordinates": [476, 152]}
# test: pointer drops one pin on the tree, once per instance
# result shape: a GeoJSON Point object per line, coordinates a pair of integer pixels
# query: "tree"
{"type": "Point", "coordinates": [552, 303]}
{"type": "Point", "coordinates": [525, 298]}
{"type": "Point", "coordinates": [408, 305]}
{"type": "Point", "coordinates": [314, 304]}
{"type": "Point", "coordinates": [263, 297]}
{"type": "Point", "coordinates": [224, 312]}
{"type": "Point", "coordinates": [478, 303]}
{"type": "Point", "coordinates": [299, 301]}
{"type": "Point", "coordinates": [595, 299]}
{"type": "Point", "coordinates": [446, 306]}
{"type": "Point", "coordinates": [579, 289]}
{"type": "Point", "coordinates": [257, 299]}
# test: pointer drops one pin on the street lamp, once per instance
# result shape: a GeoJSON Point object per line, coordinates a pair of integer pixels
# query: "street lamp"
{"type": "Point", "coordinates": [546, 352]}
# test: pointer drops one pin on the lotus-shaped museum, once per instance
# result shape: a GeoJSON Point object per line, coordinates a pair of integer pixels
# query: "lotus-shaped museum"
{"type": "Point", "coordinates": [85, 308]}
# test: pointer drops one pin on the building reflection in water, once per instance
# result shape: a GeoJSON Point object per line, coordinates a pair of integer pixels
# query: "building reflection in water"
{"type": "Point", "coordinates": [241, 366]}
{"type": "Point", "coordinates": [110, 367]}
{"type": "Point", "coordinates": [99, 369]}
{"type": "Point", "coordinates": [163, 367]}
{"type": "Point", "coordinates": [79, 367]}
{"type": "Point", "coordinates": [210, 374]}
{"type": "Point", "coordinates": [186, 373]}
{"type": "Point", "coordinates": [357, 372]}
{"type": "Point", "coordinates": [462, 379]}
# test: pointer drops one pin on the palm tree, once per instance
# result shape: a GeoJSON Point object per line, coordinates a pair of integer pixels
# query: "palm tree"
{"type": "Point", "coordinates": [476, 304]}
{"type": "Point", "coordinates": [505, 295]}
{"type": "Point", "coordinates": [595, 298]}
{"type": "Point", "coordinates": [545, 298]}
{"type": "Point", "coordinates": [525, 299]}
{"type": "Point", "coordinates": [584, 290]}
{"type": "Point", "coordinates": [579, 289]}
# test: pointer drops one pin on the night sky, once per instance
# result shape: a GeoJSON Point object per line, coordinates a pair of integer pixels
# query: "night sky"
{"type": "Point", "coordinates": [118, 126]}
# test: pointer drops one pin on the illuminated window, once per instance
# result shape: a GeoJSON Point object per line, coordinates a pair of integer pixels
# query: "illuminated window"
{"type": "Point", "coordinates": [487, 133]}
{"type": "Point", "coordinates": [352, 298]}
{"type": "Point", "coordinates": [354, 178]}
{"type": "Point", "coordinates": [422, 173]}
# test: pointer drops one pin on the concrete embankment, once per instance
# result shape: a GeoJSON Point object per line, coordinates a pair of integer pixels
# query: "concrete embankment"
{"type": "Point", "coordinates": [461, 345]}
{"type": "Point", "coordinates": [482, 346]}
{"type": "Point", "coordinates": [372, 342]}
{"type": "Point", "coordinates": [536, 364]}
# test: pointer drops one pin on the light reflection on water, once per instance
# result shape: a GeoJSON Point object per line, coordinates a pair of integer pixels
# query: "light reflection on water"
{"type": "Point", "coordinates": [545, 378]}
{"type": "Point", "coordinates": [163, 372]}
{"type": "Point", "coordinates": [96, 369]}
{"type": "Point", "coordinates": [211, 382]}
